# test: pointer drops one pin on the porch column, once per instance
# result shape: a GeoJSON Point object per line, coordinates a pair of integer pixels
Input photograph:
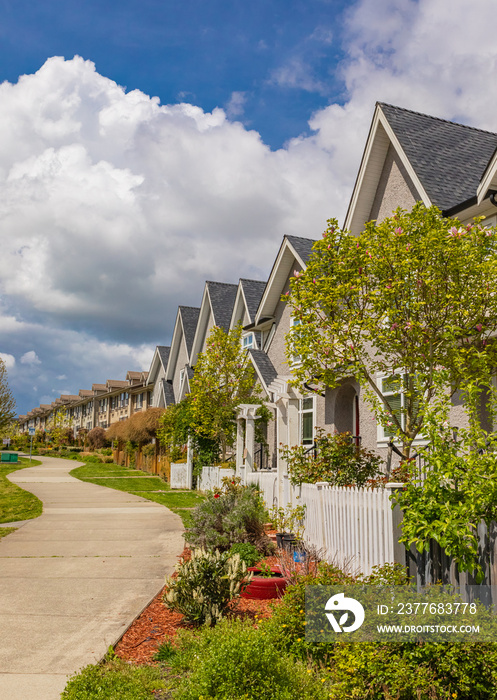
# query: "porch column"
{"type": "Point", "coordinates": [239, 446]}
{"type": "Point", "coordinates": [249, 444]}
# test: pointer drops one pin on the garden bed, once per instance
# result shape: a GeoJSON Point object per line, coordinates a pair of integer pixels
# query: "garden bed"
{"type": "Point", "coordinates": [157, 624]}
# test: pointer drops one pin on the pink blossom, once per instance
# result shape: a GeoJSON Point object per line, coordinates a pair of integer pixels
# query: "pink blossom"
{"type": "Point", "coordinates": [296, 273]}
{"type": "Point", "coordinates": [314, 281]}
{"type": "Point", "coordinates": [453, 231]}
{"type": "Point", "coordinates": [398, 231]}
{"type": "Point", "coordinates": [394, 326]}
{"type": "Point", "coordinates": [479, 327]}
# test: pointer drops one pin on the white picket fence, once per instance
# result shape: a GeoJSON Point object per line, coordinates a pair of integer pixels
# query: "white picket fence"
{"type": "Point", "coordinates": [353, 526]}
{"type": "Point", "coordinates": [211, 477]}
{"type": "Point", "coordinates": [268, 484]}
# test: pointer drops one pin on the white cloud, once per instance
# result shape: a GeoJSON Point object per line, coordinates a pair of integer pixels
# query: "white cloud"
{"type": "Point", "coordinates": [61, 377]}
{"type": "Point", "coordinates": [9, 360]}
{"type": "Point", "coordinates": [236, 104]}
{"type": "Point", "coordinates": [115, 209]}
{"type": "Point", "coordinates": [30, 358]}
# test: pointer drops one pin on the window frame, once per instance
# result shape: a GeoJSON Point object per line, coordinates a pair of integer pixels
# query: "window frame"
{"type": "Point", "coordinates": [303, 412]}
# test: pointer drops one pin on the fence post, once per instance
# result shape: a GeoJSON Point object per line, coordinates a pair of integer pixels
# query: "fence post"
{"type": "Point", "coordinates": [321, 513]}
{"type": "Point", "coordinates": [399, 550]}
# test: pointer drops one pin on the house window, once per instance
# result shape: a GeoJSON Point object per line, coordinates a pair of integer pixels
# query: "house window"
{"type": "Point", "coordinates": [306, 421]}
{"type": "Point", "coordinates": [393, 389]}
{"type": "Point", "coordinates": [248, 341]}
{"type": "Point", "coordinates": [181, 376]}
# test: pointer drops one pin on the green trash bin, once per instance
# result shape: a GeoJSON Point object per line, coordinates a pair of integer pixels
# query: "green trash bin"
{"type": "Point", "coordinates": [9, 457]}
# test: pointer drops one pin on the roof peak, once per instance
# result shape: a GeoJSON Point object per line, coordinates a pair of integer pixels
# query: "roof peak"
{"type": "Point", "coordinates": [438, 119]}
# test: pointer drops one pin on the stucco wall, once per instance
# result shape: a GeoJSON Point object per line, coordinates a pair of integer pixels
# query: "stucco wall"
{"type": "Point", "coordinates": [276, 351]}
{"type": "Point", "coordinates": [395, 188]}
{"type": "Point", "coordinates": [180, 364]}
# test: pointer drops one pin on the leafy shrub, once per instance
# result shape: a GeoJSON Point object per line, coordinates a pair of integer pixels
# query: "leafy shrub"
{"type": "Point", "coordinates": [107, 451]}
{"type": "Point", "coordinates": [414, 671]}
{"type": "Point", "coordinates": [286, 626]}
{"type": "Point", "coordinates": [114, 679]}
{"type": "Point", "coordinates": [205, 584]}
{"type": "Point", "coordinates": [91, 458]}
{"type": "Point", "coordinates": [247, 552]}
{"type": "Point", "coordinates": [230, 515]}
{"type": "Point", "coordinates": [108, 460]}
{"type": "Point", "coordinates": [337, 460]}
{"type": "Point", "coordinates": [235, 661]}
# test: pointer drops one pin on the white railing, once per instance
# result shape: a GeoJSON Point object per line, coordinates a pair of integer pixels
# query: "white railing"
{"type": "Point", "coordinates": [268, 484]}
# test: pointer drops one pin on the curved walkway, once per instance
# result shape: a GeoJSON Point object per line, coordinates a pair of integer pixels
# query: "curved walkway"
{"type": "Point", "coordinates": [72, 580]}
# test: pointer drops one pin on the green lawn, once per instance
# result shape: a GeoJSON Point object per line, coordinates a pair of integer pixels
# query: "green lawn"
{"type": "Point", "coordinates": [153, 488]}
{"type": "Point", "coordinates": [4, 531]}
{"type": "Point", "coordinates": [15, 503]}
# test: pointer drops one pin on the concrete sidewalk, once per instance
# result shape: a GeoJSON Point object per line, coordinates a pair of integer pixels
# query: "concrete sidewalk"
{"type": "Point", "coordinates": [72, 580]}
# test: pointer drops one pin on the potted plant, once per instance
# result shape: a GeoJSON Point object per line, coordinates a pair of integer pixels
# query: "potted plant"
{"type": "Point", "coordinates": [288, 523]}
{"type": "Point", "coordinates": [267, 582]}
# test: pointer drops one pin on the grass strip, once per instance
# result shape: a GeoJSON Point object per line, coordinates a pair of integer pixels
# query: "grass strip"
{"type": "Point", "coordinates": [15, 502]}
{"type": "Point", "coordinates": [4, 531]}
{"type": "Point", "coordinates": [153, 489]}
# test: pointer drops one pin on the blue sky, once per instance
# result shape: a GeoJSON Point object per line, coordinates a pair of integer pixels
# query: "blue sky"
{"type": "Point", "coordinates": [146, 147]}
{"type": "Point", "coordinates": [193, 51]}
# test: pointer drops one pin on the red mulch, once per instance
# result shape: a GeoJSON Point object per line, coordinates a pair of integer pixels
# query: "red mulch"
{"type": "Point", "coordinates": [157, 624]}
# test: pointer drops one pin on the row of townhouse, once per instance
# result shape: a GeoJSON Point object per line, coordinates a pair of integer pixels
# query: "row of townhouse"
{"type": "Point", "coordinates": [408, 157]}
{"type": "Point", "coordinates": [100, 406]}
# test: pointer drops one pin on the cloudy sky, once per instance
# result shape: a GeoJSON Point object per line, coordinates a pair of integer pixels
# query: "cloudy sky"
{"type": "Point", "coordinates": [146, 147]}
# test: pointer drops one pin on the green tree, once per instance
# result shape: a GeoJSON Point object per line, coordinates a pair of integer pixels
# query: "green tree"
{"type": "Point", "coordinates": [223, 379]}
{"type": "Point", "coordinates": [411, 298]}
{"type": "Point", "coordinates": [7, 401]}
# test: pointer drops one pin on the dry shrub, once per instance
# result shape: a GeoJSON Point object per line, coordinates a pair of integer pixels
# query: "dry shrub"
{"type": "Point", "coordinates": [138, 429]}
{"type": "Point", "coordinates": [97, 438]}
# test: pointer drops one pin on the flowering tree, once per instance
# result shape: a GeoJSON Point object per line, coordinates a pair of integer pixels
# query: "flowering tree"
{"type": "Point", "coordinates": [412, 299]}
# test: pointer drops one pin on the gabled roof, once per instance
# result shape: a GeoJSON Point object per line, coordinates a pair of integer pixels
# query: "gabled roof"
{"type": "Point", "coordinates": [293, 251]}
{"type": "Point", "coordinates": [184, 332]}
{"type": "Point", "coordinates": [248, 297]}
{"type": "Point", "coordinates": [264, 367]}
{"type": "Point", "coordinates": [448, 158]}
{"type": "Point", "coordinates": [83, 393]}
{"type": "Point", "coordinates": [168, 390]}
{"type": "Point", "coordinates": [444, 160]}
{"type": "Point", "coordinates": [160, 359]}
{"type": "Point", "coordinates": [112, 384]}
{"type": "Point", "coordinates": [189, 319]}
{"type": "Point", "coordinates": [99, 387]}
{"type": "Point", "coordinates": [217, 302]}
{"type": "Point", "coordinates": [222, 297]}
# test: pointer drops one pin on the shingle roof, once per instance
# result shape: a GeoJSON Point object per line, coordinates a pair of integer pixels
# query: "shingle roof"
{"type": "Point", "coordinates": [448, 158]}
{"type": "Point", "coordinates": [168, 392]}
{"type": "Point", "coordinates": [189, 318]}
{"type": "Point", "coordinates": [99, 387]}
{"type": "Point", "coordinates": [163, 351]}
{"type": "Point", "coordinates": [302, 246]}
{"type": "Point", "coordinates": [264, 366]}
{"type": "Point", "coordinates": [253, 291]}
{"type": "Point", "coordinates": [222, 298]}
